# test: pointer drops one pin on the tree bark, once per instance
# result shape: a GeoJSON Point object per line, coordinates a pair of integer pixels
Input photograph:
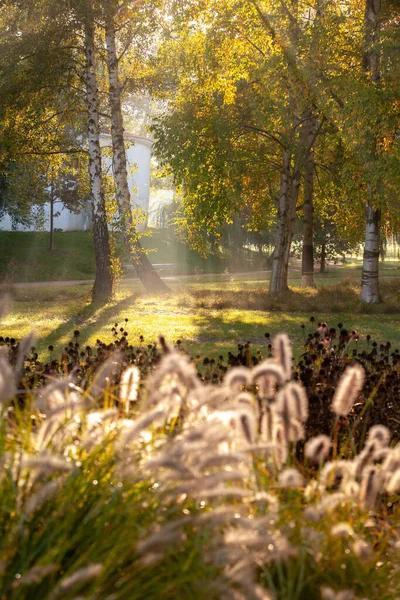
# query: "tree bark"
{"type": "Point", "coordinates": [322, 266]}
{"type": "Point", "coordinates": [370, 273]}
{"type": "Point", "coordinates": [288, 195]}
{"type": "Point", "coordinates": [144, 269]}
{"type": "Point", "coordinates": [279, 274]}
{"type": "Point", "coordinates": [104, 281]}
{"type": "Point", "coordinates": [51, 220]}
{"type": "Point", "coordinates": [307, 263]}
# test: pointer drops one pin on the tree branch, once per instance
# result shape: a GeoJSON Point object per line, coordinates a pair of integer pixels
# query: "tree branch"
{"type": "Point", "coordinates": [51, 152]}
{"type": "Point", "coordinates": [265, 133]}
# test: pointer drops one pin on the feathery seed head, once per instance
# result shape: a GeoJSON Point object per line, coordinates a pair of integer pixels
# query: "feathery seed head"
{"type": "Point", "coordinates": [393, 483]}
{"type": "Point", "coordinates": [379, 434]}
{"type": "Point", "coordinates": [8, 388]}
{"type": "Point", "coordinates": [290, 478]}
{"type": "Point", "coordinates": [317, 448]}
{"type": "Point", "coordinates": [282, 351]}
{"type": "Point", "coordinates": [81, 575]}
{"type": "Point", "coordinates": [267, 376]}
{"type": "Point", "coordinates": [128, 390]}
{"type": "Point", "coordinates": [342, 530]}
{"type": "Point", "coordinates": [237, 378]}
{"type": "Point", "coordinates": [291, 402]}
{"type": "Point", "coordinates": [361, 549]}
{"type": "Point", "coordinates": [370, 486]}
{"type": "Point", "coordinates": [35, 575]}
{"type": "Point", "coordinates": [334, 474]}
{"type": "Point", "coordinates": [348, 388]}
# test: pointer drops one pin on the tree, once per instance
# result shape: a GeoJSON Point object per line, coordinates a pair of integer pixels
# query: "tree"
{"type": "Point", "coordinates": [103, 285]}
{"type": "Point", "coordinates": [145, 271]}
{"type": "Point", "coordinates": [236, 133]}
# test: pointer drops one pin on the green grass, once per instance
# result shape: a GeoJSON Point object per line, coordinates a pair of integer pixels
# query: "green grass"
{"type": "Point", "coordinates": [210, 317]}
{"type": "Point", "coordinates": [25, 256]}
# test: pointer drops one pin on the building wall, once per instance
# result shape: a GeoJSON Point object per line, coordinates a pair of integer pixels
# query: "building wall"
{"type": "Point", "coordinates": [138, 155]}
{"type": "Point", "coordinates": [138, 158]}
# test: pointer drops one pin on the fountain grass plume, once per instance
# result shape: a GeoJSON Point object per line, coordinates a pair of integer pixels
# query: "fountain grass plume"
{"type": "Point", "coordinates": [282, 351]}
{"type": "Point", "coordinates": [348, 389]}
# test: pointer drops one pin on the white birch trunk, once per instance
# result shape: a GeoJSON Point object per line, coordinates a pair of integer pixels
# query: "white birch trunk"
{"type": "Point", "coordinates": [103, 285]}
{"type": "Point", "coordinates": [145, 271]}
{"type": "Point", "coordinates": [370, 272]}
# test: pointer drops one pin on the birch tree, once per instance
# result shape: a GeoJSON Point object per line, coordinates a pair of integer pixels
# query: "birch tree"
{"type": "Point", "coordinates": [103, 285]}
{"type": "Point", "coordinates": [370, 273]}
{"type": "Point", "coordinates": [144, 269]}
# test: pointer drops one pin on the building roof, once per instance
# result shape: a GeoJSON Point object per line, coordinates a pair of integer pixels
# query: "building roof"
{"type": "Point", "coordinates": [137, 139]}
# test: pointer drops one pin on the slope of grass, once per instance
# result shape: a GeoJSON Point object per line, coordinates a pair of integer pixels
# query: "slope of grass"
{"type": "Point", "coordinates": [25, 256]}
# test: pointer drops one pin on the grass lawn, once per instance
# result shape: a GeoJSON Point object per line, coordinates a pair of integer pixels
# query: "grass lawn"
{"type": "Point", "coordinates": [25, 256]}
{"type": "Point", "coordinates": [210, 316]}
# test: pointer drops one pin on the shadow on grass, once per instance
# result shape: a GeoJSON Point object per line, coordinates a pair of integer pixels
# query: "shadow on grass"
{"type": "Point", "coordinates": [343, 297]}
{"type": "Point", "coordinates": [91, 319]}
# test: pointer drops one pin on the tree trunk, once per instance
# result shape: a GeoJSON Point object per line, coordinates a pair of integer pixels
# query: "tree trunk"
{"type": "Point", "coordinates": [288, 194]}
{"type": "Point", "coordinates": [104, 281]}
{"type": "Point", "coordinates": [370, 273]}
{"type": "Point", "coordinates": [307, 263]}
{"type": "Point", "coordinates": [51, 220]}
{"type": "Point", "coordinates": [144, 269]}
{"type": "Point", "coordinates": [322, 266]}
{"type": "Point", "coordinates": [279, 274]}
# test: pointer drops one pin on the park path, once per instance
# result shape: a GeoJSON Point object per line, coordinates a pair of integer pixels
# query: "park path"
{"type": "Point", "coordinates": [73, 282]}
{"type": "Point", "coordinates": [196, 276]}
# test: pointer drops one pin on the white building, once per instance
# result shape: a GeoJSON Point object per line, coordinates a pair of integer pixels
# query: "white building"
{"type": "Point", "coordinates": [138, 158]}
